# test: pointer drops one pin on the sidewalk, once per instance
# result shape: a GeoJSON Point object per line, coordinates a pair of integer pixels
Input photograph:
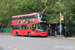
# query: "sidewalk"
{"type": "Point", "coordinates": [73, 38]}
{"type": "Point", "coordinates": [62, 37]}
{"type": "Point", "coordinates": [4, 33]}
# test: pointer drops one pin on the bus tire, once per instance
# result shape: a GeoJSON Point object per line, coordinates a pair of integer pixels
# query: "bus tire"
{"type": "Point", "coordinates": [16, 33]}
{"type": "Point", "coordinates": [28, 34]}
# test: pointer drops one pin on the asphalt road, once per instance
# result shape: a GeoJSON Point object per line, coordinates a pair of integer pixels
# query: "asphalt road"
{"type": "Point", "coordinates": [10, 42]}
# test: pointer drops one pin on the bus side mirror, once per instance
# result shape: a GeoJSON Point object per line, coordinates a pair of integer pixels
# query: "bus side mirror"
{"type": "Point", "coordinates": [33, 27]}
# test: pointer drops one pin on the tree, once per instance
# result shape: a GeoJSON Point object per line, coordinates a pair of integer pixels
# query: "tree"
{"type": "Point", "coordinates": [9, 8]}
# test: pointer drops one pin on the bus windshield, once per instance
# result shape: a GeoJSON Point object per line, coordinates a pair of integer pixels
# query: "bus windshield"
{"type": "Point", "coordinates": [42, 27]}
{"type": "Point", "coordinates": [42, 16]}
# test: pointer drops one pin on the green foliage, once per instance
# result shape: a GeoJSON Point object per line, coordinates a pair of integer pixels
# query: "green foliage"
{"type": "Point", "coordinates": [9, 8]}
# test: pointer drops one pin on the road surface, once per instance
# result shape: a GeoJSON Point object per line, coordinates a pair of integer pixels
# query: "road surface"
{"type": "Point", "coordinates": [10, 42]}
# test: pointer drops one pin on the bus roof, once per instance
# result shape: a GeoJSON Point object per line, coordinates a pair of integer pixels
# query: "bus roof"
{"type": "Point", "coordinates": [27, 14]}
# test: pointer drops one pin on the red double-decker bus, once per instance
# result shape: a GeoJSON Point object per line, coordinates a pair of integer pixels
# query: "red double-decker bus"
{"type": "Point", "coordinates": [34, 24]}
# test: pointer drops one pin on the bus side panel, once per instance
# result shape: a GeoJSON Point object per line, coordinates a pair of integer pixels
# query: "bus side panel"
{"type": "Point", "coordinates": [13, 32]}
{"type": "Point", "coordinates": [36, 20]}
{"type": "Point", "coordinates": [33, 33]}
{"type": "Point", "coordinates": [20, 32]}
{"type": "Point", "coordinates": [23, 32]}
{"type": "Point", "coordinates": [38, 33]}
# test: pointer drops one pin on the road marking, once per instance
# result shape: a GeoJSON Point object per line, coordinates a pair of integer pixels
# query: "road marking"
{"type": "Point", "coordinates": [9, 47]}
{"type": "Point", "coordinates": [3, 45]}
{"type": "Point", "coordinates": [64, 47]}
{"type": "Point", "coordinates": [15, 49]}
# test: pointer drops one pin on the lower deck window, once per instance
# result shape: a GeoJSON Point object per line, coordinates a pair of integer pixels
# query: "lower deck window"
{"type": "Point", "coordinates": [19, 27]}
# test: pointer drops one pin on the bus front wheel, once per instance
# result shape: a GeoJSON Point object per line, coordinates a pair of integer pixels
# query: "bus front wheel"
{"type": "Point", "coordinates": [28, 34]}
